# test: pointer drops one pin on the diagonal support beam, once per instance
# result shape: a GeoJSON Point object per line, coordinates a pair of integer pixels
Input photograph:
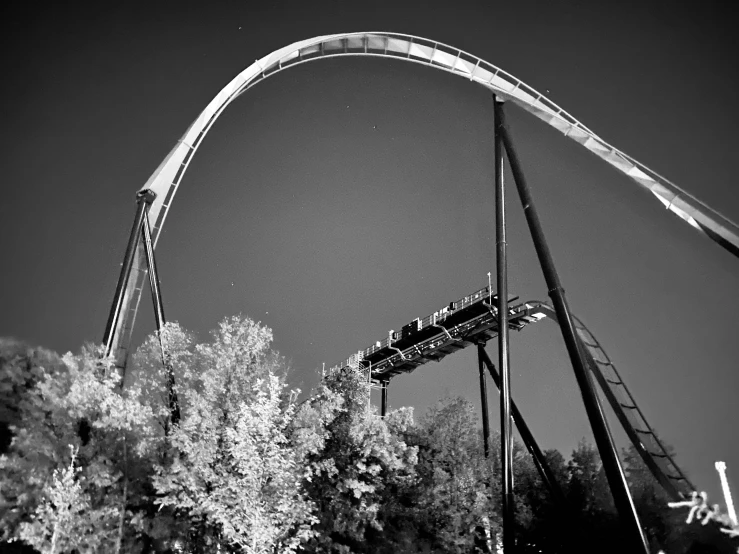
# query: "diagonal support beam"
{"type": "Point", "coordinates": [603, 439]}
{"type": "Point", "coordinates": [156, 296]}
{"type": "Point", "coordinates": [141, 231]}
{"type": "Point", "coordinates": [484, 402]}
{"type": "Point", "coordinates": [540, 461]}
{"type": "Point", "coordinates": [143, 200]}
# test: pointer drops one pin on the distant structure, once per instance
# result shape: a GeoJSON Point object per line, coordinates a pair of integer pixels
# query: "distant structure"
{"type": "Point", "coordinates": [721, 468]}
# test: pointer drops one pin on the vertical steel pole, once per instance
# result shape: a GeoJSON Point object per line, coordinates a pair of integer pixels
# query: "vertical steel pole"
{"type": "Point", "coordinates": [545, 472]}
{"type": "Point", "coordinates": [603, 438]}
{"type": "Point", "coordinates": [484, 402]}
{"type": "Point", "coordinates": [156, 297]}
{"type": "Point", "coordinates": [383, 406]}
{"type": "Point", "coordinates": [143, 199]}
{"type": "Point", "coordinates": [509, 539]}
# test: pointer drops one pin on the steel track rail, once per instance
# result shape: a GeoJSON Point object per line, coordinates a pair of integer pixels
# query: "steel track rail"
{"type": "Point", "coordinates": [168, 176]}
{"type": "Point", "coordinates": [657, 458]}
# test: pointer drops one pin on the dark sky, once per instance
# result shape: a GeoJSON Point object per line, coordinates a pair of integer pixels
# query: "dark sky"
{"type": "Point", "coordinates": [299, 213]}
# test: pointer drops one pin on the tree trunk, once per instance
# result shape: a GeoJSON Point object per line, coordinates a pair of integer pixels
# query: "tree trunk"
{"type": "Point", "coordinates": [54, 536]}
{"type": "Point", "coordinates": [119, 540]}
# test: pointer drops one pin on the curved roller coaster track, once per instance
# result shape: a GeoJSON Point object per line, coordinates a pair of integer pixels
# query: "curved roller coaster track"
{"type": "Point", "coordinates": [167, 178]}
{"type": "Point", "coordinates": [473, 319]}
{"type": "Point", "coordinates": [657, 458]}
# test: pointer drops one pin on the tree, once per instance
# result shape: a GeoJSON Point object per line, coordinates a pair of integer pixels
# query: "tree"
{"type": "Point", "coordinates": [230, 469]}
{"type": "Point", "coordinates": [249, 469]}
{"type": "Point", "coordinates": [549, 528]}
{"type": "Point", "coordinates": [75, 404]}
{"type": "Point", "coordinates": [362, 457]}
{"type": "Point", "coordinates": [588, 488]}
{"type": "Point", "coordinates": [21, 367]}
{"type": "Point", "coordinates": [248, 487]}
{"type": "Point", "coordinates": [458, 492]}
{"type": "Point", "coordinates": [65, 519]}
{"type": "Point", "coordinates": [148, 372]}
{"type": "Point", "coordinates": [590, 498]}
{"type": "Point", "coordinates": [650, 499]}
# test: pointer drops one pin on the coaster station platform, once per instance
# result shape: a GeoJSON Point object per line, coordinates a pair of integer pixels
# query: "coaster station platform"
{"type": "Point", "coordinates": [473, 319]}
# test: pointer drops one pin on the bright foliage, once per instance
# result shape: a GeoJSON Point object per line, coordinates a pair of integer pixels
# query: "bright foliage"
{"type": "Point", "coordinates": [98, 464]}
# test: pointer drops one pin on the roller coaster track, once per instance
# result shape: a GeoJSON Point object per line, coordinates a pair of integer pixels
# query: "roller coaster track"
{"type": "Point", "coordinates": [473, 320]}
{"type": "Point", "coordinates": [656, 457]}
{"type": "Point", "coordinates": [165, 181]}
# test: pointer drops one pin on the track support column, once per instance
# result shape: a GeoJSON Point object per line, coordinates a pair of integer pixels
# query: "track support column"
{"type": "Point", "coordinates": [603, 438]}
{"type": "Point", "coordinates": [506, 452]}
{"type": "Point", "coordinates": [540, 461]}
{"type": "Point", "coordinates": [143, 199]}
{"type": "Point", "coordinates": [383, 404]}
{"type": "Point", "coordinates": [156, 296]}
{"type": "Point", "coordinates": [484, 402]}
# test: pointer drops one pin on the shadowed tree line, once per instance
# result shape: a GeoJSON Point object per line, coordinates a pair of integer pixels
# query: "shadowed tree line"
{"type": "Point", "coordinates": [89, 465]}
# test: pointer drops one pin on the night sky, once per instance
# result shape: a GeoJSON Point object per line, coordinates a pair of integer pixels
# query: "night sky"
{"type": "Point", "coordinates": [343, 198]}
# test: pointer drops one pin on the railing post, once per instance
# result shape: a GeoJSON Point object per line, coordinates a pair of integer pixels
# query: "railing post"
{"type": "Point", "coordinates": [383, 405]}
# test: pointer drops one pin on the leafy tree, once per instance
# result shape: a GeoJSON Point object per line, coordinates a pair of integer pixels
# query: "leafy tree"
{"type": "Point", "coordinates": [248, 487]}
{"type": "Point", "coordinates": [65, 519]}
{"type": "Point", "coordinates": [249, 469]}
{"type": "Point", "coordinates": [588, 487]}
{"type": "Point", "coordinates": [361, 459]}
{"type": "Point", "coordinates": [649, 497]}
{"type": "Point", "coordinates": [458, 494]}
{"type": "Point", "coordinates": [149, 374]}
{"type": "Point", "coordinates": [21, 367]}
{"type": "Point", "coordinates": [81, 394]}
{"type": "Point", "coordinates": [550, 527]}
{"type": "Point", "coordinates": [230, 468]}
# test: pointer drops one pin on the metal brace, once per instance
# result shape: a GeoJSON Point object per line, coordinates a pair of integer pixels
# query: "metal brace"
{"type": "Point", "coordinates": [398, 351]}
{"type": "Point", "coordinates": [446, 331]}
